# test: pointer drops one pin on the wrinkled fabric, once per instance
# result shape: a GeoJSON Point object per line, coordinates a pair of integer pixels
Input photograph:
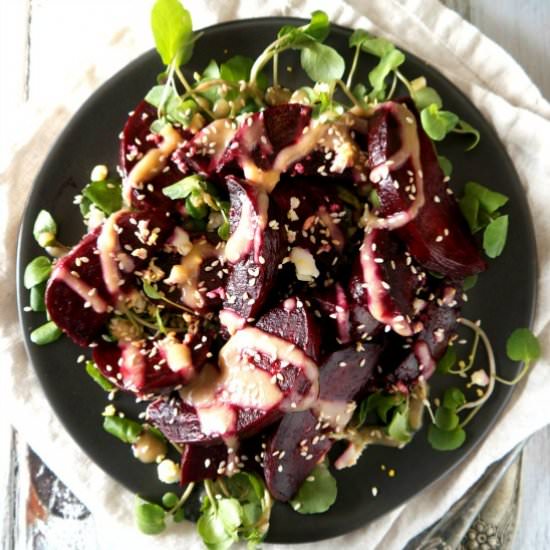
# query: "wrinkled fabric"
{"type": "Point", "coordinates": [500, 89]}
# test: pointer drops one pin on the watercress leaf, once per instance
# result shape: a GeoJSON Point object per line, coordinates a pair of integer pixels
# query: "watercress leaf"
{"type": "Point", "coordinates": [469, 282]}
{"type": "Point", "coordinates": [522, 345]}
{"type": "Point", "coordinates": [179, 515]}
{"type": "Point", "coordinates": [445, 165]}
{"type": "Point", "coordinates": [236, 69]}
{"type": "Point", "coordinates": [453, 398]}
{"type": "Point", "coordinates": [437, 124]}
{"type": "Point", "coordinates": [388, 63]}
{"type": "Point", "coordinates": [169, 500]}
{"type": "Point", "coordinates": [494, 236]}
{"type": "Point", "coordinates": [425, 97]}
{"type": "Point", "coordinates": [37, 271]}
{"type": "Point", "coordinates": [97, 377]}
{"type": "Point", "coordinates": [251, 513]}
{"type": "Point", "coordinates": [149, 517]}
{"type": "Point", "coordinates": [318, 492]}
{"type": "Point", "coordinates": [447, 361]}
{"type": "Point", "coordinates": [195, 205]}
{"type": "Point", "coordinates": [446, 419]}
{"type": "Point", "coordinates": [172, 30]}
{"type": "Point", "coordinates": [211, 529]}
{"type": "Point", "coordinates": [230, 513]}
{"type": "Point", "coordinates": [371, 44]}
{"type": "Point", "coordinates": [156, 94]}
{"type": "Point", "coordinates": [322, 63]}
{"type": "Point", "coordinates": [464, 128]}
{"type": "Point", "coordinates": [124, 429]}
{"type": "Point", "coordinates": [184, 187]}
{"type": "Point", "coordinates": [442, 440]}
{"type": "Point", "coordinates": [211, 71]}
{"type": "Point", "coordinates": [398, 428]}
{"type": "Point", "coordinates": [319, 26]}
{"type": "Point", "coordinates": [490, 200]}
{"type": "Point", "coordinates": [45, 228]}
{"type": "Point", "coordinates": [469, 206]}
{"type": "Point", "coordinates": [105, 195]}
{"type": "Point", "coordinates": [46, 334]}
{"type": "Point", "coordinates": [151, 291]}
{"type": "Point", "coordinates": [36, 301]}
{"type": "Point", "coordinates": [246, 486]}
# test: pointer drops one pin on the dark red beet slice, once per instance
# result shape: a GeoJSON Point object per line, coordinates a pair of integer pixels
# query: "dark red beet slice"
{"type": "Point", "coordinates": [300, 441]}
{"type": "Point", "coordinates": [285, 367]}
{"type": "Point", "coordinates": [293, 321]}
{"type": "Point", "coordinates": [67, 303]}
{"type": "Point", "coordinates": [136, 140]}
{"type": "Point", "coordinates": [437, 237]}
{"type": "Point", "coordinates": [199, 463]}
{"type": "Point", "coordinates": [314, 220]}
{"type": "Point", "coordinates": [146, 366]}
{"type": "Point", "coordinates": [254, 250]}
{"type": "Point", "coordinates": [388, 282]}
{"type": "Point", "coordinates": [263, 135]}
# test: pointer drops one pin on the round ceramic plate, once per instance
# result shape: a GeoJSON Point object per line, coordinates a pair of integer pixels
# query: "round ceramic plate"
{"type": "Point", "coordinates": [503, 298]}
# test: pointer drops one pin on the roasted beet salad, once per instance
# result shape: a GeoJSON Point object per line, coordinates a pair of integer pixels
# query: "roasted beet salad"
{"type": "Point", "coordinates": [272, 272]}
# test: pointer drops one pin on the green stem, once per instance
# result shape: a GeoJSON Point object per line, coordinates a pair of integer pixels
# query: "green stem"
{"type": "Point", "coordinates": [167, 87]}
{"type": "Point", "coordinates": [353, 65]}
{"type": "Point", "coordinates": [345, 88]}
{"type": "Point", "coordinates": [186, 494]}
{"type": "Point", "coordinates": [262, 60]}
{"type": "Point", "coordinates": [405, 81]}
{"type": "Point", "coordinates": [392, 89]}
{"type": "Point", "coordinates": [191, 92]}
{"type": "Point", "coordinates": [515, 380]}
{"type": "Point", "coordinates": [210, 493]}
{"type": "Point", "coordinates": [276, 69]}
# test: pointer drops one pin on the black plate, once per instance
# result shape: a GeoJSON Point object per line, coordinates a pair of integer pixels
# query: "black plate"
{"type": "Point", "coordinates": [504, 298]}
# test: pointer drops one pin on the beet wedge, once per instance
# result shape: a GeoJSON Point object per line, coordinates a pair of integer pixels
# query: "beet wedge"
{"type": "Point", "coordinates": [137, 140]}
{"type": "Point", "coordinates": [389, 281]}
{"type": "Point", "coordinates": [414, 198]}
{"type": "Point", "coordinates": [146, 367]}
{"type": "Point", "coordinates": [253, 251]}
{"type": "Point", "coordinates": [302, 439]}
{"type": "Point", "coordinates": [76, 297]}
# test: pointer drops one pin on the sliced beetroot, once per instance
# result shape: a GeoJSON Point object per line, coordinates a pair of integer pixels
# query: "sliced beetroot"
{"type": "Point", "coordinates": [261, 376]}
{"type": "Point", "coordinates": [314, 220]}
{"type": "Point", "coordinates": [390, 281]}
{"type": "Point", "coordinates": [147, 366]}
{"type": "Point", "coordinates": [76, 297]}
{"type": "Point", "coordinates": [414, 198]}
{"type": "Point", "coordinates": [254, 250]}
{"type": "Point", "coordinates": [136, 140]}
{"type": "Point", "coordinates": [199, 463]}
{"type": "Point", "coordinates": [301, 440]}
{"type": "Point", "coordinates": [293, 321]}
{"type": "Point", "coordinates": [402, 370]}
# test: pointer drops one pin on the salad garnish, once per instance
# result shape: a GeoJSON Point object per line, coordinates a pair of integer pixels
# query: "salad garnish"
{"type": "Point", "coordinates": [274, 271]}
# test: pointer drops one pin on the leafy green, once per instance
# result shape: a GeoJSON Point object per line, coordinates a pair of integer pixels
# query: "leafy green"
{"type": "Point", "coordinates": [124, 429]}
{"type": "Point", "coordinates": [44, 229]}
{"type": "Point", "coordinates": [436, 123]}
{"type": "Point", "coordinates": [184, 187]}
{"type": "Point", "coordinates": [37, 271]}
{"type": "Point", "coordinates": [151, 291]}
{"type": "Point", "coordinates": [174, 108]}
{"type": "Point", "coordinates": [453, 398]}
{"type": "Point", "coordinates": [172, 30]}
{"type": "Point", "coordinates": [494, 237]}
{"type": "Point", "coordinates": [443, 440]}
{"type": "Point", "coordinates": [398, 428]}
{"type": "Point", "coordinates": [464, 128]}
{"type": "Point", "coordinates": [105, 195]}
{"type": "Point", "coordinates": [469, 282]}
{"type": "Point", "coordinates": [169, 500]}
{"type": "Point", "coordinates": [370, 44]}
{"type": "Point", "coordinates": [448, 360]}
{"type": "Point", "coordinates": [388, 63]}
{"type": "Point", "coordinates": [37, 301]}
{"type": "Point", "coordinates": [446, 165]}
{"type": "Point", "coordinates": [321, 62]}
{"type": "Point", "coordinates": [236, 69]}
{"type": "Point", "coordinates": [45, 334]}
{"type": "Point", "coordinates": [469, 206]}
{"type": "Point", "coordinates": [212, 530]}
{"type": "Point", "coordinates": [425, 97]}
{"type": "Point", "coordinates": [446, 419]}
{"type": "Point", "coordinates": [522, 345]}
{"type": "Point", "coordinates": [97, 377]}
{"type": "Point", "coordinates": [318, 26]}
{"type": "Point", "coordinates": [381, 404]}
{"type": "Point", "coordinates": [318, 492]}
{"type": "Point", "coordinates": [150, 518]}
{"type": "Point", "coordinates": [489, 200]}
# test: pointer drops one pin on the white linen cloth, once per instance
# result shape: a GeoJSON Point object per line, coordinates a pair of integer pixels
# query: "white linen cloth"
{"type": "Point", "coordinates": [500, 89]}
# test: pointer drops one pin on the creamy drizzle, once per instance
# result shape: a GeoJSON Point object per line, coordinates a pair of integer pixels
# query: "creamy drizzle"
{"type": "Point", "coordinates": [132, 365]}
{"type": "Point", "coordinates": [177, 354]}
{"type": "Point", "coordinates": [84, 290]}
{"type": "Point", "coordinates": [152, 162]}
{"type": "Point", "coordinates": [108, 247]}
{"type": "Point", "coordinates": [336, 413]}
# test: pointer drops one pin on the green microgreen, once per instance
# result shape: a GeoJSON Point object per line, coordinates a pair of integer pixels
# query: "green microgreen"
{"type": "Point", "coordinates": [124, 429]}
{"type": "Point", "coordinates": [150, 518]}
{"type": "Point", "coordinates": [106, 195]}
{"type": "Point", "coordinates": [94, 373]}
{"type": "Point", "coordinates": [37, 271]}
{"type": "Point", "coordinates": [522, 345]}
{"type": "Point", "coordinates": [45, 334]}
{"type": "Point", "coordinates": [494, 237]}
{"type": "Point", "coordinates": [317, 493]}
{"type": "Point", "coordinates": [44, 229]}
{"type": "Point", "coordinates": [37, 297]}
{"type": "Point", "coordinates": [436, 123]}
{"type": "Point", "coordinates": [445, 165]}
